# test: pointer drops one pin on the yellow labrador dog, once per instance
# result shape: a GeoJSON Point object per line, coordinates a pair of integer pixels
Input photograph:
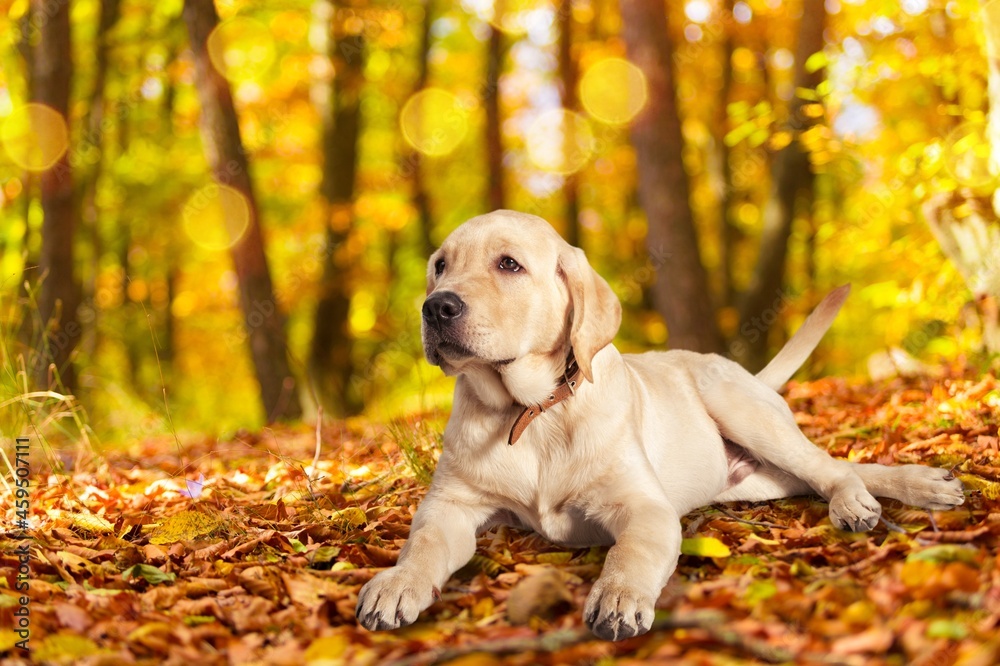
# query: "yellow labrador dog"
{"type": "Point", "coordinates": [553, 429]}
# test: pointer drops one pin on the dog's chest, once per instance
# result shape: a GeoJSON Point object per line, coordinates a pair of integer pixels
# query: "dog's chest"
{"type": "Point", "coordinates": [541, 490]}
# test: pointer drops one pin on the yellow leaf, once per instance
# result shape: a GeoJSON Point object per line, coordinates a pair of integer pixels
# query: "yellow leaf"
{"type": "Point", "coordinates": [182, 527]}
{"type": "Point", "coordinates": [989, 489]}
{"type": "Point", "coordinates": [554, 558]}
{"type": "Point", "coordinates": [327, 648]}
{"type": "Point", "coordinates": [65, 649]}
{"type": "Point", "coordinates": [704, 547]}
{"type": "Point", "coordinates": [352, 516]}
{"type": "Point", "coordinates": [8, 639]}
{"type": "Point", "coordinates": [92, 523]}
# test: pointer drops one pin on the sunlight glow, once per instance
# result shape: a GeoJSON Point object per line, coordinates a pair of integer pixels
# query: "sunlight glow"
{"type": "Point", "coordinates": [216, 216]}
{"type": "Point", "coordinates": [514, 17]}
{"type": "Point", "coordinates": [967, 154]}
{"type": "Point", "coordinates": [613, 91]}
{"type": "Point", "coordinates": [560, 141]}
{"type": "Point", "coordinates": [434, 121]}
{"type": "Point", "coordinates": [35, 136]}
{"type": "Point", "coordinates": [241, 49]}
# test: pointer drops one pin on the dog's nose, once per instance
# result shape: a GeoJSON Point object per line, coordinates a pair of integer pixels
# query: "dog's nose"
{"type": "Point", "coordinates": [442, 308]}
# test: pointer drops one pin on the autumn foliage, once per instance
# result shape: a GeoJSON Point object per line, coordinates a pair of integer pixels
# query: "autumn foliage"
{"type": "Point", "coordinates": [240, 551]}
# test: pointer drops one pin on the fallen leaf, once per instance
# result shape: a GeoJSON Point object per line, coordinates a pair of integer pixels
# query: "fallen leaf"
{"type": "Point", "coordinates": [183, 526]}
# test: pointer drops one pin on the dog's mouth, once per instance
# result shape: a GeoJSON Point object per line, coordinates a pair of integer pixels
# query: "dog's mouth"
{"type": "Point", "coordinates": [454, 351]}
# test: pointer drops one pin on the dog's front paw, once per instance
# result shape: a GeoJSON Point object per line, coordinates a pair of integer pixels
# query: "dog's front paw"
{"type": "Point", "coordinates": [855, 510]}
{"type": "Point", "coordinates": [615, 611]}
{"type": "Point", "coordinates": [393, 599]}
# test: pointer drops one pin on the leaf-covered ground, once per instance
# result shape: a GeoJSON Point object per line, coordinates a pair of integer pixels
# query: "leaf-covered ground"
{"type": "Point", "coordinates": [262, 563]}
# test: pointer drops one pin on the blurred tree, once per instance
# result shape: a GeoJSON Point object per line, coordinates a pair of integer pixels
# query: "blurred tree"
{"type": "Point", "coordinates": [331, 361]}
{"type": "Point", "coordinates": [94, 139]}
{"type": "Point", "coordinates": [223, 147]}
{"type": "Point", "coordinates": [494, 128]}
{"type": "Point", "coordinates": [568, 80]}
{"type": "Point", "coordinates": [681, 292]}
{"type": "Point", "coordinates": [420, 196]}
{"type": "Point", "coordinates": [58, 295]}
{"type": "Point", "coordinates": [792, 187]}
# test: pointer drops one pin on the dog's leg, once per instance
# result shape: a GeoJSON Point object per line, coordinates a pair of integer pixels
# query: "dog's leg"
{"type": "Point", "coordinates": [750, 413]}
{"type": "Point", "coordinates": [765, 484]}
{"type": "Point", "coordinates": [929, 488]}
{"type": "Point", "coordinates": [442, 539]}
{"type": "Point", "coordinates": [647, 546]}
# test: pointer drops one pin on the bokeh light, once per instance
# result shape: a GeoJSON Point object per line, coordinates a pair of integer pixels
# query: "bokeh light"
{"type": "Point", "coordinates": [216, 216]}
{"type": "Point", "coordinates": [514, 17]}
{"type": "Point", "coordinates": [967, 154]}
{"type": "Point", "coordinates": [434, 121]}
{"type": "Point", "coordinates": [560, 141]}
{"type": "Point", "coordinates": [35, 136]}
{"type": "Point", "coordinates": [613, 90]}
{"type": "Point", "coordinates": [990, 16]}
{"type": "Point", "coordinates": [241, 49]}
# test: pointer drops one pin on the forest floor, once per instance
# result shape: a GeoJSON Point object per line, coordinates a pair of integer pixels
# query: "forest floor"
{"type": "Point", "coordinates": [135, 561]}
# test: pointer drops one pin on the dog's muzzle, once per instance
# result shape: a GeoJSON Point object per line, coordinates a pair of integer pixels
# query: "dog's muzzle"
{"type": "Point", "coordinates": [442, 309]}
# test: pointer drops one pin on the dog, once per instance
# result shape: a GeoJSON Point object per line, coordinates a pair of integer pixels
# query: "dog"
{"type": "Point", "coordinates": [554, 430]}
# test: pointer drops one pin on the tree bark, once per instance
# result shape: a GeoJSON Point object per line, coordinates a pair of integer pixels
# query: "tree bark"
{"type": "Point", "coordinates": [58, 295]}
{"type": "Point", "coordinates": [728, 231]}
{"type": "Point", "coordinates": [494, 136]}
{"type": "Point", "coordinates": [681, 292]}
{"type": "Point", "coordinates": [264, 322]}
{"type": "Point", "coordinates": [331, 358]}
{"type": "Point", "coordinates": [568, 76]}
{"type": "Point", "coordinates": [95, 131]}
{"type": "Point", "coordinates": [792, 178]}
{"type": "Point", "coordinates": [420, 197]}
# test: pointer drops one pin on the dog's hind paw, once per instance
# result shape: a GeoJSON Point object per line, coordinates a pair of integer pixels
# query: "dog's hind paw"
{"type": "Point", "coordinates": [929, 488]}
{"type": "Point", "coordinates": [615, 612]}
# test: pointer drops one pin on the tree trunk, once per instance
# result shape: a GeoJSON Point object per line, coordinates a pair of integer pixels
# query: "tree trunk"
{"type": "Point", "coordinates": [568, 76]}
{"type": "Point", "coordinates": [95, 131]}
{"type": "Point", "coordinates": [331, 359]}
{"type": "Point", "coordinates": [420, 197]}
{"type": "Point", "coordinates": [58, 296]}
{"type": "Point", "coordinates": [494, 137]}
{"type": "Point", "coordinates": [728, 231]}
{"type": "Point", "coordinates": [265, 326]}
{"type": "Point", "coordinates": [791, 178]}
{"type": "Point", "coordinates": [681, 291]}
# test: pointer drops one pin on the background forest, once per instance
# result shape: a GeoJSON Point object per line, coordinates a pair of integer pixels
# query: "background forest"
{"type": "Point", "coordinates": [217, 215]}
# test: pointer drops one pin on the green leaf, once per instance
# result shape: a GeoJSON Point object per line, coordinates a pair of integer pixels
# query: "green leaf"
{"type": "Point", "coordinates": [704, 547]}
{"type": "Point", "coordinates": [760, 590]}
{"type": "Point", "coordinates": [554, 558]}
{"type": "Point", "coordinates": [944, 553]}
{"type": "Point", "coordinates": [951, 629]}
{"type": "Point", "coordinates": [152, 575]}
{"type": "Point", "coordinates": [297, 546]}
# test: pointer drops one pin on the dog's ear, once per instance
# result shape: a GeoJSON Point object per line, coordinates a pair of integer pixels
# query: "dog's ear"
{"type": "Point", "coordinates": [597, 312]}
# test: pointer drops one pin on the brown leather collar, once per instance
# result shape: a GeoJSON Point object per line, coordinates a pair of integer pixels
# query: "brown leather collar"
{"type": "Point", "coordinates": [566, 387]}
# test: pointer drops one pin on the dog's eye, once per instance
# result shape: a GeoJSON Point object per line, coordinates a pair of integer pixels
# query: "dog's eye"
{"type": "Point", "coordinates": [439, 267]}
{"type": "Point", "coordinates": [509, 264]}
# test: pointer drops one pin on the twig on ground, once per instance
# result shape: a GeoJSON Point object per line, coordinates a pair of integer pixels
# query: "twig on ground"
{"type": "Point", "coordinates": [319, 442]}
{"type": "Point", "coordinates": [758, 523]}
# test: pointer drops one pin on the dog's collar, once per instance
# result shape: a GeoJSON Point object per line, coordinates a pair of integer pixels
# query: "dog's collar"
{"type": "Point", "coordinates": [564, 389]}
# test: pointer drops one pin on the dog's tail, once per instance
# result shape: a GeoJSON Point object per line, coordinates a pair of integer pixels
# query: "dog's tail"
{"type": "Point", "coordinates": [794, 354]}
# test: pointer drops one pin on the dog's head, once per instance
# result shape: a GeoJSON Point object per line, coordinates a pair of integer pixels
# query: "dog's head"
{"type": "Point", "coordinates": [505, 291]}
